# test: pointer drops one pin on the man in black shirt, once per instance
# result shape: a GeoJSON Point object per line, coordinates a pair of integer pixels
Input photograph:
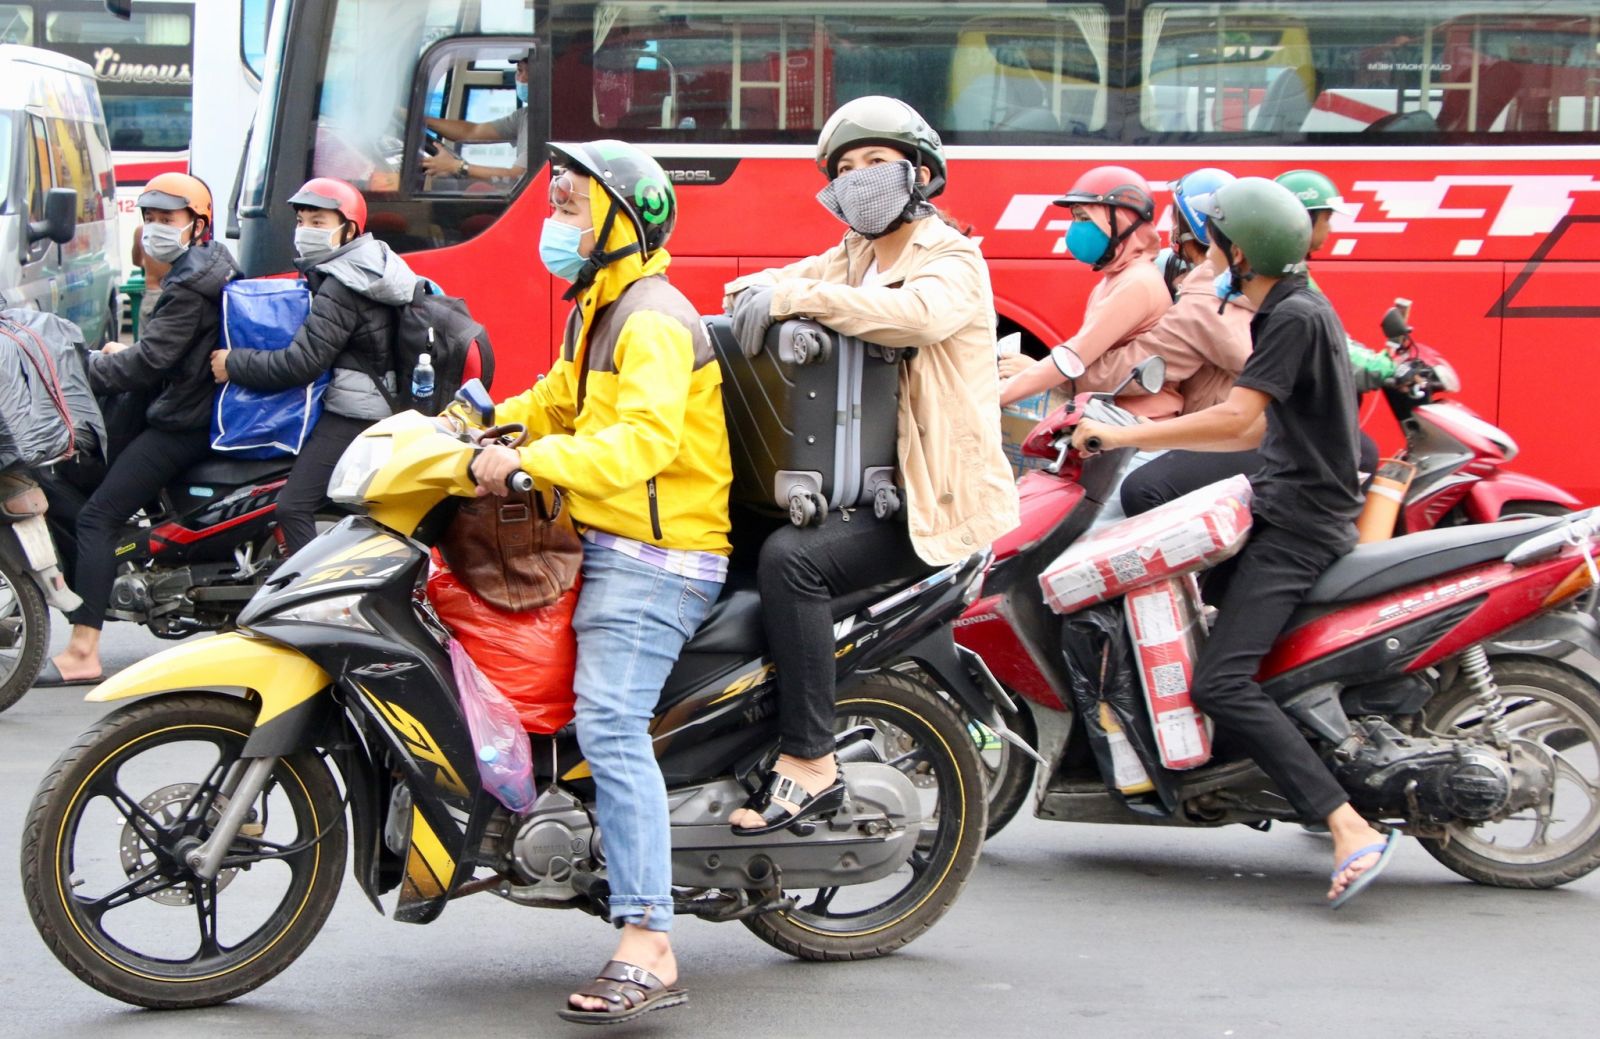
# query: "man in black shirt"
{"type": "Point", "coordinates": [1295, 400]}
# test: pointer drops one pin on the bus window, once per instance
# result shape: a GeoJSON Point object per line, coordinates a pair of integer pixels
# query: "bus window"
{"type": "Point", "coordinates": [148, 122]}
{"type": "Point", "coordinates": [772, 72]}
{"type": "Point", "coordinates": [144, 27]}
{"type": "Point", "coordinates": [254, 18]}
{"type": "Point", "coordinates": [5, 159]}
{"type": "Point", "coordinates": [1297, 68]}
{"type": "Point", "coordinates": [379, 56]}
{"type": "Point", "coordinates": [16, 24]}
{"type": "Point", "coordinates": [39, 178]}
{"type": "Point", "coordinates": [476, 82]}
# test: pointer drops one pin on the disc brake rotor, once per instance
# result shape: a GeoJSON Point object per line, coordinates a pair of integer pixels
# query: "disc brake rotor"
{"type": "Point", "coordinates": [166, 807]}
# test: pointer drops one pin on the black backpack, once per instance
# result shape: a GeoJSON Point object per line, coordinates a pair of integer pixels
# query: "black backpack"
{"type": "Point", "coordinates": [457, 345]}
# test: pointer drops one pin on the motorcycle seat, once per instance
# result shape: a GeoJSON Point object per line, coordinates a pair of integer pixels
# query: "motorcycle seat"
{"type": "Point", "coordinates": [235, 471]}
{"type": "Point", "coordinates": [734, 624]}
{"type": "Point", "coordinates": [1371, 570]}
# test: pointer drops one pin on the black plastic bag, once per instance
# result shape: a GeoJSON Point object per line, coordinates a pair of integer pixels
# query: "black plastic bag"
{"type": "Point", "coordinates": [1099, 660]}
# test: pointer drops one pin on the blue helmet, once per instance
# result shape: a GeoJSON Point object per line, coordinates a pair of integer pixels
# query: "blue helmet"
{"type": "Point", "coordinates": [1190, 186]}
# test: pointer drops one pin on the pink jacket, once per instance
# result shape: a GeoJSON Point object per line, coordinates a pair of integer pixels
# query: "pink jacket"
{"type": "Point", "coordinates": [1129, 300]}
{"type": "Point", "coordinates": [1205, 351]}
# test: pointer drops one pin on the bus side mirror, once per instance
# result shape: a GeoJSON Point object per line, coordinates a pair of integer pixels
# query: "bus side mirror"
{"type": "Point", "coordinates": [60, 221]}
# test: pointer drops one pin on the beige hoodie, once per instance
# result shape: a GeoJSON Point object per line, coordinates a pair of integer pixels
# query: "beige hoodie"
{"type": "Point", "coordinates": [1205, 351]}
{"type": "Point", "coordinates": [936, 297]}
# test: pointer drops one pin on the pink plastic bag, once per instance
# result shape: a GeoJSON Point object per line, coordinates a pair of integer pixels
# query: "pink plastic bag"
{"type": "Point", "coordinates": [505, 759]}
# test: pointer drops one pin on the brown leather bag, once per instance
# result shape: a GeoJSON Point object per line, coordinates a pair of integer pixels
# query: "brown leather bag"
{"type": "Point", "coordinates": [517, 553]}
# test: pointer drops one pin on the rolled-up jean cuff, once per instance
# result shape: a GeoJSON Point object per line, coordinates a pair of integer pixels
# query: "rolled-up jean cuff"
{"type": "Point", "coordinates": [653, 914]}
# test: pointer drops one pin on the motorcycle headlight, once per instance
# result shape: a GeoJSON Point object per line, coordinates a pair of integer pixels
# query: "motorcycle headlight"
{"type": "Point", "coordinates": [357, 466]}
{"type": "Point", "coordinates": [339, 610]}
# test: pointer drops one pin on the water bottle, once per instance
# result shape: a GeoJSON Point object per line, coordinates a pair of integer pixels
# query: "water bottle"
{"type": "Point", "coordinates": [422, 382]}
{"type": "Point", "coordinates": [513, 787]}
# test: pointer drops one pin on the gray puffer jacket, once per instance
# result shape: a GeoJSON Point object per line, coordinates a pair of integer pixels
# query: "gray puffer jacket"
{"type": "Point", "coordinates": [350, 330]}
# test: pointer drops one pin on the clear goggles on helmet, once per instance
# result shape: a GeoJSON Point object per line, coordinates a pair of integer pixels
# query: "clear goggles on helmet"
{"type": "Point", "coordinates": [564, 187]}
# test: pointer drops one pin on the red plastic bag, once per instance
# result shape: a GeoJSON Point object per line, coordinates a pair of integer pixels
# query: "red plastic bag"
{"type": "Point", "coordinates": [530, 657]}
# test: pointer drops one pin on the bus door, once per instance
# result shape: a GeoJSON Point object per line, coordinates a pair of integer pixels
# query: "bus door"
{"type": "Point", "coordinates": [352, 90]}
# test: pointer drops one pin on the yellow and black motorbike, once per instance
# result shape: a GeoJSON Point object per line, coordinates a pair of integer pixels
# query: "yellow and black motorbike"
{"type": "Point", "coordinates": [190, 845]}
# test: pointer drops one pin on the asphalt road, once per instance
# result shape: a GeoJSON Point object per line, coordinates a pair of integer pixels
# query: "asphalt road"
{"type": "Point", "coordinates": [1064, 931]}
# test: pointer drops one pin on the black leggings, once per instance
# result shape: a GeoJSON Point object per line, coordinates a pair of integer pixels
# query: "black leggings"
{"type": "Point", "coordinates": [801, 570]}
{"type": "Point", "coordinates": [307, 485]}
{"type": "Point", "coordinates": [149, 462]}
{"type": "Point", "coordinates": [1265, 582]}
{"type": "Point", "coordinates": [1176, 473]}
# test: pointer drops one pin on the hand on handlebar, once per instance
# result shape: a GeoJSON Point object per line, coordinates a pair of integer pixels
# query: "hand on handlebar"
{"type": "Point", "coordinates": [491, 468]}
{"type": "Point", "coordinates": [1091, 437]}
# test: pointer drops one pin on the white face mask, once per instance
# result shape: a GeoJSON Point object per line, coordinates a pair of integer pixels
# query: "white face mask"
{"type": "Point", "coordinates": [311, 242]}
{"type": "Point", "coordinates": [163, 242]}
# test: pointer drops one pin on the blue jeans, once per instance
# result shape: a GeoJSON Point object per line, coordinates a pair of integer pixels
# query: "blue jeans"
{"type": "Point", "coordinates": [631, 621]}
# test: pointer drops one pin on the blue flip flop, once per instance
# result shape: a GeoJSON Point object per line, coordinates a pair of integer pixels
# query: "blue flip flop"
{"type": "Point", "coordinates": [1386, 848]}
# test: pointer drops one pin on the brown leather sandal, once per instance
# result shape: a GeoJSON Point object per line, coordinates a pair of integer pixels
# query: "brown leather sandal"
{"type": "Point", "coordinates": [629, 991]}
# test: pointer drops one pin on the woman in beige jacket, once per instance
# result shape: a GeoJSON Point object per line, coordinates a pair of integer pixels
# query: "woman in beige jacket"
{"type": "Point", "coordinates": [902, 277]}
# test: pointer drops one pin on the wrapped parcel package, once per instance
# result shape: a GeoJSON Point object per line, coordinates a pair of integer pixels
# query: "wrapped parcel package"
{"type": "Point", "coordinates": [1198, 530]}
{"type": "Point", "coordinates": [1164, 620]}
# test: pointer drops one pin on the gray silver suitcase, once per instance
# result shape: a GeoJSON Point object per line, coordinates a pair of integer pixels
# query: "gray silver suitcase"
{"type": "Point", "coordinates": [812, 420]}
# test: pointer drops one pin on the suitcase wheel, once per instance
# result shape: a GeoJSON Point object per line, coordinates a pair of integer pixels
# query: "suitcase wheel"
{"type": "Point", "coordinates": [807, 509]}
{"type": "Point", "coordinates": [886, 502]}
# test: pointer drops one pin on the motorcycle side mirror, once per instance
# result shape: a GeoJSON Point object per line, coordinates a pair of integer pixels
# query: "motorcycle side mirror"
{"type": "Point", "coordinates": [477, 400]}
{"type": "Point", "coordinates": [1394, 324]}
{"type": "Point", "coordinates": [1150, 374]}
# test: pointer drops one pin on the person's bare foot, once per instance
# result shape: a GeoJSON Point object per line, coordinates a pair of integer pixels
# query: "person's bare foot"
{"type": "Point", "coordinates": [1350, 834]}
{"type": "Point", "coordinates": [813, 774]}
{"type": "Point", "coordinates": [77, 666]}
{"type": "Point", "coordinates": [643, 948]}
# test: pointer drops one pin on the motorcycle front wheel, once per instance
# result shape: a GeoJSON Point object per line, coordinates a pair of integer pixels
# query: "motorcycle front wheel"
{"type": "Point", "coordinates": [24, 633]}
{"type": "Point", "coordinates": [103, 868]}
{"type": "Point", "coordinates": [917, 731]}
{"type": "Point", "coordinates": [1556, 714]}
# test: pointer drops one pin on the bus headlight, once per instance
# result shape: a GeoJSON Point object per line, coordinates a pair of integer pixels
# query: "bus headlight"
{"type": "Point", "coordinates": [357, 466]}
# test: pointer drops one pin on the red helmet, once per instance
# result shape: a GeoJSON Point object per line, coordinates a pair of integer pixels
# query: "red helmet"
{"type": "Point", "coordinates": [1115, 186]}
{"type": "Point", "coordinates": [328, 193]}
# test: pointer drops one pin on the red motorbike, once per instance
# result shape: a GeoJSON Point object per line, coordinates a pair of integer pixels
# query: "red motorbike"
{"type": "Point", "coordinates": [1408, 667]}
{"type": "Point", "coordinates": [1460, 458]}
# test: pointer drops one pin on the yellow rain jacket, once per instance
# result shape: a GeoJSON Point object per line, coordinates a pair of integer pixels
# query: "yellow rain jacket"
{"type": "Point", "coordinates": [629, 419]}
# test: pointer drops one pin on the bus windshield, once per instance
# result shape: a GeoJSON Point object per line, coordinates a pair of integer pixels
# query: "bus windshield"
{"type": "Point", "coordinates": [148, 123]}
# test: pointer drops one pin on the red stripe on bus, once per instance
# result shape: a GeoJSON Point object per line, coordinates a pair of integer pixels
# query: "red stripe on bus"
{"type": "Point", "coordinates": [1350, 108]}
{"type": "Point", "coordinates": [133, 173]}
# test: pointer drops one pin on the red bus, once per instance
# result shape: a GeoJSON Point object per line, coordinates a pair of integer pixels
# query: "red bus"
{"type": "Point", "coordinates": [1465, 133]}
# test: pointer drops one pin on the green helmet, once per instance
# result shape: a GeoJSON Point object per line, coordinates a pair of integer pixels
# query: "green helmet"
{"type": "Point", "coordinates": [888, 121]}
{"type": "Point", "coordinates": [635, 182]}
{"type": "Point", "coordinates": [1314, 190]}
{"type": "Point", "coordinates": [1264, 220]}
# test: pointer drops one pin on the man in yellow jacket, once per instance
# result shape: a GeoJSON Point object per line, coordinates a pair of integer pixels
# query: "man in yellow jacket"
{"type": "Point", "coordinates": [629, 422]}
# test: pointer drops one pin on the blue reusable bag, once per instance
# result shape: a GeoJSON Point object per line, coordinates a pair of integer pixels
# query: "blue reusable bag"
{"type": "Point", "coordinates": [264, 314]}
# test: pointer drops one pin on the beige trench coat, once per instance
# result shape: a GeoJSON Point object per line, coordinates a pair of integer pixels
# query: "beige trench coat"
{"type": "Point", "coordinates": [936, 297]}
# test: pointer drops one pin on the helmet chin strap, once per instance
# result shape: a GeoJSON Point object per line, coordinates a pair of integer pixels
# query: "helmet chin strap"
{"type": "Point", "coordinates": [599, 258]}
{"type": "Point", "coordinates": [1116, 239]}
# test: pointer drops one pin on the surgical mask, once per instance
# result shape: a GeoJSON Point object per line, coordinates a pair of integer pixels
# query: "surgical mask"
{"type": "Point", "coordinates": [558, 249]}
{"type": "Point", "coordinates": [522, 93]}
{"type": "Point", "coordinates": [873, 199]}
{"type": "Point", "coordinates": [1086, 242]}
{"type": "Point", "coordinates": [311, 242]}
{"type": "Point", "coordinates": [1224, 287]}
{"type": "Point", "coordinates": [164, 242]}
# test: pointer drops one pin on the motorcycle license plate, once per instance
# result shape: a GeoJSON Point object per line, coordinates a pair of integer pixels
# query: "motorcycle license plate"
{"type": "Point", "coordinates": [34, 534]}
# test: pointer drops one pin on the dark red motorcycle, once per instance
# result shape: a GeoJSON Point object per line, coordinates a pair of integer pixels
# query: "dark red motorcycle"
{"type": "Point", "coordinates": [1409, 667]}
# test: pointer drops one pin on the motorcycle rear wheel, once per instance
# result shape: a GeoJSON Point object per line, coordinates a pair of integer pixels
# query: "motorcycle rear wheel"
{"type": "Point", "coordinates": [928, 740]}
{"type": "Point", "coordinates": [1560, 712]}
{"type": "Point", "coordinates": [102, 856]}
{"type": "Point", "coordinates": [24, 633]}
